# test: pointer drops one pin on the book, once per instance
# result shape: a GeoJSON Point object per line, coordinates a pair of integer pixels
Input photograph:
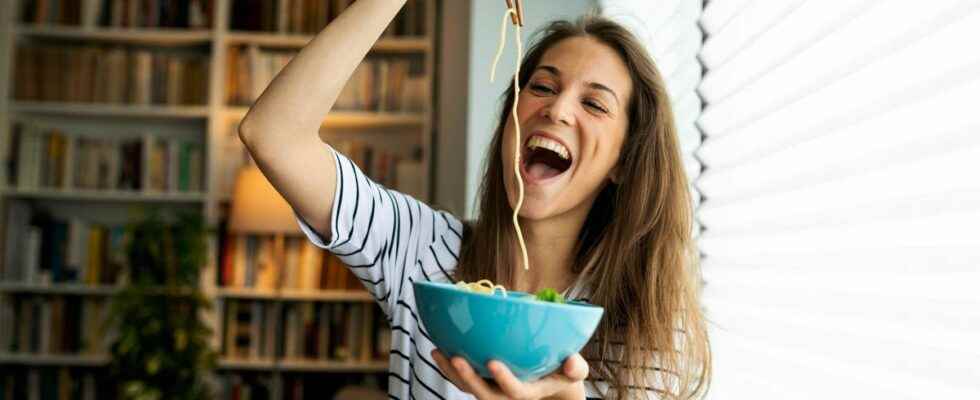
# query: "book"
{"type": "Point", "coordinates": [46, 72]}
{"type": "Point", "coordinates": [380, 84]}
{"type": "Point", "coordinates": [91, 14]}
{"type": "Point", "coordinates": [51, 250]}
{"type": "Point", "coordinates": [309, 17]}
{"type": "Point", "coordinates": [51, 158]}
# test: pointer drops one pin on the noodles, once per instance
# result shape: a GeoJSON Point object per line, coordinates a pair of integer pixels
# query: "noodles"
{"type": "Point", "coordinates": [485, 286]}
{"type": "Point", "coordinates": [517, 126]}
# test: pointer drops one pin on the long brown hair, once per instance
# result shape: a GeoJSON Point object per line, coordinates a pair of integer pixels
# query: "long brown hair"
{"type": "Point", "coordinates": [635, 252]}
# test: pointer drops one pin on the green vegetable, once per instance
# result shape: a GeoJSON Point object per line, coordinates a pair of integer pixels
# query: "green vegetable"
{"type": "Point", "coordinates": [549, 295]}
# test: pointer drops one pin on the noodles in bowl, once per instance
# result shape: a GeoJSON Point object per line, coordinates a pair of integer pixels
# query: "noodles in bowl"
{"type": "Point", "coordinates": [531, 336]}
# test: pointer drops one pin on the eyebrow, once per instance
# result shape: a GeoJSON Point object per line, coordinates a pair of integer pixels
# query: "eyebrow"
{"type": "Point", "coordinates": [594, 85]}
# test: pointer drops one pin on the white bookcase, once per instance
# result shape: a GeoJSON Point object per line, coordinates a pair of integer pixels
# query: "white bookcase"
{"type": "Point", "coordinates": [213, 124]}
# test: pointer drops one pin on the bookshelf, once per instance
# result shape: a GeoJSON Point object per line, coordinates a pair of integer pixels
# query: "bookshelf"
{"type": "Point", "coordinates": [391, 133]}
{"type": "Point", "coordinates": [110, 110]}
{"type": "Point", "coordinates": [153, 36]}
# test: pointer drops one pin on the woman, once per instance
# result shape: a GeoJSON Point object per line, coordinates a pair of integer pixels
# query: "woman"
{"type": "Point", "coordinates": [606, 217]}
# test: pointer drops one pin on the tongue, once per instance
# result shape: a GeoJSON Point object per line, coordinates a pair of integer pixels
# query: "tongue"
{"type": "Point", "coordinates": [541, 171]}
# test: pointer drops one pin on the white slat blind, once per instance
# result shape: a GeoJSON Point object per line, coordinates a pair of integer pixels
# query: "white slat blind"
{"type": "Point", "coordinates": [670, 31]}
{"type": "Point", "coordinates": [841, 207]}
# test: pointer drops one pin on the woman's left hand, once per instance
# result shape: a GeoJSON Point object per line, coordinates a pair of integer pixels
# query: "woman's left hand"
{"type": "Point", "coordinates": [566, 383]}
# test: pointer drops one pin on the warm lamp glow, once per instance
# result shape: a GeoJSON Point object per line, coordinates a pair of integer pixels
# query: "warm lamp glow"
{"type": "Point", "coordinates": [257, 208]}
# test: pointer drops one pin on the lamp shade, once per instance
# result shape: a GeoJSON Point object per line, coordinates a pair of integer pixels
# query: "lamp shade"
{"type": "Point", "coordinates": [257, 208]}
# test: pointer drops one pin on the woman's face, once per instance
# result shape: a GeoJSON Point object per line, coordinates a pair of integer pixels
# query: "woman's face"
{"type": "Point", "coordinates": [573, 118]}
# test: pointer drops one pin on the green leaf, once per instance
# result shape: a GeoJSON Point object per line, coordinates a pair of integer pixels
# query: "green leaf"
{"type": "Point", "coordinates": [153, 365]}
{"type": "Point", "coordinates": [549, 295]}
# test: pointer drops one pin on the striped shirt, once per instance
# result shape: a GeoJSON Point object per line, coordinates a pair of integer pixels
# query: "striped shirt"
{"type": "Point", "coordinates": [389, 240]}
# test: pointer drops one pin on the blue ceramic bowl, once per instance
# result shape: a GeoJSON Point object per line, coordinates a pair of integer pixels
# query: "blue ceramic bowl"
{"type": "Point", "coordinates": [531, 337]}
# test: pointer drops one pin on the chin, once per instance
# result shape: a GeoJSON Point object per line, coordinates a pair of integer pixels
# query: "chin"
{"type": "Point", "coordinates": [538, 206]}
{"type": "Point", "coordinates": [536, 212]}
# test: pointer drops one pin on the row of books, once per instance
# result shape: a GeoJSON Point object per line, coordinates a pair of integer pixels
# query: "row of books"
{"type": "Point", "coordinates": [52, 158]}
{"type": "Point", "coordinates": [54, 325]}
{"type": "Point", "coordinates": [296, 386]}
{"type": "Point", "coordinates": [351, 332]}
{"type": "Point", "coordinates": [138, 76]}
{"type": "Point", "coordinates": [391, 84]}
{"type": "Point", "coordinates": [391, 170]}
{"type": "Point", "coordinates": [47, 250]}
{"type": "Point", "coordinates": [246, 387]}
{"type": "Point", "coordinates": [119, 13]}
{"type": "Point", "coordinates": [249, 261]}
{"type": "Point", "coordinates": [310, 16]}
{"type": "Point", "coordinates": [54, 383]}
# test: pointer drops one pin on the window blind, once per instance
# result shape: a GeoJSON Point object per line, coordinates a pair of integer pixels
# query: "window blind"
{"type": "Point", "coordinates": [840, 194]}
{"type": "Point", "coordinates": [841, 198]}
{"type": "Point", "coordinates": [670, 31]}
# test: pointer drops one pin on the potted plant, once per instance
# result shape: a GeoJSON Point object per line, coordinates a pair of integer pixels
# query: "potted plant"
{"type": "Point", "coordinates": [161, 347]}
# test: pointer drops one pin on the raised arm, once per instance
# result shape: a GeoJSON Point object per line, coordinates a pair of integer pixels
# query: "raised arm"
{"type": "Point", "coordinates": [281, 129]}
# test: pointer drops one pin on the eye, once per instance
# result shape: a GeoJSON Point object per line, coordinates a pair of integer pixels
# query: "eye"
{"type": "Point", "coordinates": [595, 106]}
{"type": "Point", "coordinates": [542, 89]}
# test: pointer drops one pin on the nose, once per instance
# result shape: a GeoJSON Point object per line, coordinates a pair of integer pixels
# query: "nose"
{"type": "Point", "coordinates": [559, 111]}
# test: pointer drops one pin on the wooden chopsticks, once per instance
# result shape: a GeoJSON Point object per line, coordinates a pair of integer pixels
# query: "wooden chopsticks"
{"type": "Point", "coordinates": [518, 17]}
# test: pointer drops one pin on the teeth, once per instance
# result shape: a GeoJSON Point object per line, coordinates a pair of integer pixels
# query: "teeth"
{"type": "Point", "coordinates": [545, 143]}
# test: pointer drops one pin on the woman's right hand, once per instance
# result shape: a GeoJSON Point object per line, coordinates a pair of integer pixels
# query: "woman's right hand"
{"type": "Point", "coordinates": [566, 383]}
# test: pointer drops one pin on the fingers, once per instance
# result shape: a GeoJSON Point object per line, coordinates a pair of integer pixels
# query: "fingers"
{"type": "Point", "coordinates": [448, 369]}
{"type": "Point", "coordinates": [463, 376]}
{"type": "Point", "coordinates": [474, 382]}
{"type": "Point", "coordinates": [576, 368]}
{"type": "Point", "coordinates": [509, 384]}
{"type": "Point", "coordinates": [568, 380]}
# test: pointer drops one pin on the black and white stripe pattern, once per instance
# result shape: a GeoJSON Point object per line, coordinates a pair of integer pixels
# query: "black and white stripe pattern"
{"type": "Point", "coordinates": [391, 240]}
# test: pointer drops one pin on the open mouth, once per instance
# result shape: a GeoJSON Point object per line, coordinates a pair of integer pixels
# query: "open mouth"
{"type": "Point", "coordinates": [545, 158]}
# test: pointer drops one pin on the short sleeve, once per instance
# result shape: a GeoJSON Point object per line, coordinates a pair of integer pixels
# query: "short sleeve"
{"type": "Point", "coordinates": [380, 234]}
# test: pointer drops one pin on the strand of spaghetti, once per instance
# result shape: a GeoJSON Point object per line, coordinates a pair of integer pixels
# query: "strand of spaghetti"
{"type": "Point", "coordinates": [500, 44]}
{"type": "Point", "coordinates": [517, 125]}
{"type": "Point", "coordinates": [517, 145]}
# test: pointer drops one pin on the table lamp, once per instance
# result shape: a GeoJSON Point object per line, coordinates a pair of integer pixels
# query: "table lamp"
{"type": "Point", "coordinates": [258, 209]}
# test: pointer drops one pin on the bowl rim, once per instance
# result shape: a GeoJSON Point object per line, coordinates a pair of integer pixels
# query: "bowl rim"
{"type": "Point", "coordinates": [570, 305]}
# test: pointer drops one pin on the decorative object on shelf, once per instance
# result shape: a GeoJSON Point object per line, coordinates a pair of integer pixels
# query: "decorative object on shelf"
{"type": "Point", "coordinates": [162, 350]}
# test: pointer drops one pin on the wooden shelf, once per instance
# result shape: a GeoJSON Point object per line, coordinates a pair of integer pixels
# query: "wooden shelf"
{"type": "Point", "coordinates": [353, 119]}
{"type": "Point", "coordinates": [247, 364]}
{"type": "Point", "coordinates": [59, 288]}
{"type": "Point", "coordinates": [150, 36]}
{"type": "Point", "coordinates": [332, 366]}
{"type": "Point", "coordinates": [302, 365]}
{"type": "Point", "coordinates": [110, 110]}
{"type": "Point", "coordinates": [295, 294]}
{"type": "Point", "coordinates": [265, 39]}
{"type": "Point", "coordinates": [105, 195]}
{"type": "Point", "coordinates": [71, 360]}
